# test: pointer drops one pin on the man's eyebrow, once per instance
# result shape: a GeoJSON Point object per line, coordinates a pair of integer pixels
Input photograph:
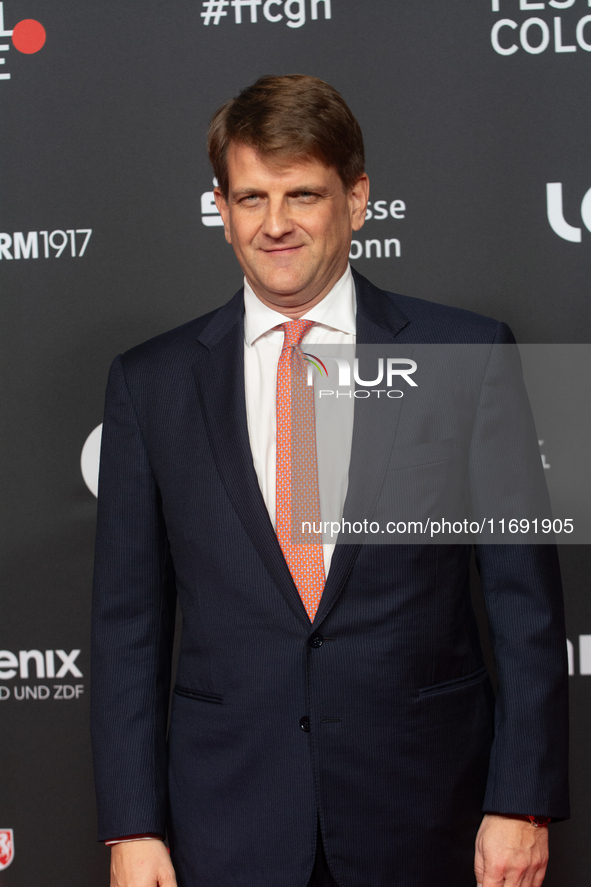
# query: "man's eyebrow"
{"type": "Point", "coordinates": [298, 189]}
{"type": "Point", "coordinates": [316, 189]}
{"type": "Point", "coordinates": [243, 192]}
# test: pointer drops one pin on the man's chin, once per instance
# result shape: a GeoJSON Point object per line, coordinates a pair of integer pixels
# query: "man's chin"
{"type": "Point", "coordinates": [283, 289]}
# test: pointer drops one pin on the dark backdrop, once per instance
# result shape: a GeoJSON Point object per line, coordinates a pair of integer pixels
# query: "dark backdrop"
{"type": "Point", "coordinates": [103, 129]}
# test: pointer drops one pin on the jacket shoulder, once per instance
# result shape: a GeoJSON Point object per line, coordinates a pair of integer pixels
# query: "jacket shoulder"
{"type": "Point", "coordinates": [177, 348]}
{"type": "Point", "coordinates": [427, 321]}
{"type": "Point", "coordinates": [175, 341]}
{"type": "Point", "coordinates": [450, 324]}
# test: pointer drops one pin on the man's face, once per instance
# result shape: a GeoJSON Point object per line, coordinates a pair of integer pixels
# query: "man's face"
{"type": "Point", "coordinates": [290, 226]}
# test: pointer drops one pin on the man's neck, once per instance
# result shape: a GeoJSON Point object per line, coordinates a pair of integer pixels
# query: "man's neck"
{"type": "Point", "coordinates": [304, 303]}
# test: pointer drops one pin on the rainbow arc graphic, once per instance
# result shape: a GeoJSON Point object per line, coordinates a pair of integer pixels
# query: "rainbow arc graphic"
{"type": "Point", "coordinates": [316, 362]}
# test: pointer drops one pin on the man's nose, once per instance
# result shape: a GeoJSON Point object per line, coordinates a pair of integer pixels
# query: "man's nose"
{"type": "Point", "coordinates": [278, 221]}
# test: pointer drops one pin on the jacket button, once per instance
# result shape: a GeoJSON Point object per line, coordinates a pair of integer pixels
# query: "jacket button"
{"type": "Point", "coordinates": [305, 724]}
{"type": "Point", "coordinates": [316, 640]}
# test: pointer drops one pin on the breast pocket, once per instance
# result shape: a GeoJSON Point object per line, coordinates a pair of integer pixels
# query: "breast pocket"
{"type": "Point", "coordinates": [423, 482]}
{"type": "Point", "coordinates": [422, 454]}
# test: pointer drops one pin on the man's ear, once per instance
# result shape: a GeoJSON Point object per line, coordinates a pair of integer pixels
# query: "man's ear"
{"type": "Point", "coordinates": [358, 197]}
{"type": "Point", "coordinates": [224, 211]}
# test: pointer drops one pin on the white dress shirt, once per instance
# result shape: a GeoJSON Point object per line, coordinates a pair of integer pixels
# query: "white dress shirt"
{"type": "Point", "coordinates": [334, 319]}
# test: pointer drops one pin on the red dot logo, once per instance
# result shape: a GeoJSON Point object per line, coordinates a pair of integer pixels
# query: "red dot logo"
{"type": "Point", "coordinates": [28, 36]}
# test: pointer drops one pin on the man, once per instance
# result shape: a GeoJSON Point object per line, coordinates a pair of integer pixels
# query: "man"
{"type": "Point", "coordinates": [332, 722]}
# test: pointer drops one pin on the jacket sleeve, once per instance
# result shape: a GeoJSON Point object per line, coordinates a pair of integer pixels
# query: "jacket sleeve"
{"type": "Point", "coordinates": [132, 628]}
{"type": "Point", "coordinates": [528, 772]}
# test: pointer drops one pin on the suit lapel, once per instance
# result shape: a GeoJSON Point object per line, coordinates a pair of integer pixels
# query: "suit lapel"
{"type": "Point", "coordinates": [219, 375]}
{"type": "Point", "coordinates": [378, 322]}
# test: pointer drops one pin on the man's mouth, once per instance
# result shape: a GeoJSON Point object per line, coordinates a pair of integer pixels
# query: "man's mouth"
{"type": "Point", "coordinates": [282, 250]}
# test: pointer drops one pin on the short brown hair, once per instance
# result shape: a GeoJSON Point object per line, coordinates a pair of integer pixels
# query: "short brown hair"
{"type": "Point", "coordinates": [291, 117]}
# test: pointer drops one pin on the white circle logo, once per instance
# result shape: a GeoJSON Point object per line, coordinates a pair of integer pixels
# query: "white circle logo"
{"type": "Point", "coordinates": [89, 459]}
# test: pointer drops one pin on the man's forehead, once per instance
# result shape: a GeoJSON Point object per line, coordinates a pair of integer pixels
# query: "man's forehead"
{"type": "Point", "coordinates": [245, 162]}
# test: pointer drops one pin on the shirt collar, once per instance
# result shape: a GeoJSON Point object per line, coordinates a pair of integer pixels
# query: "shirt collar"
{"type": "Point", "coordinates": [336, 311]}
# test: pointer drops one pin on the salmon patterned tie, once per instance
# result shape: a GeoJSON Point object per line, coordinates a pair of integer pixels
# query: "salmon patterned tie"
{"type": "Point", "coordinates": [296, 498]}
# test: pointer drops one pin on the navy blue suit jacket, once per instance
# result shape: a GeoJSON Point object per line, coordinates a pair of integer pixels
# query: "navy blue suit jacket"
{"type": "Point", "coordinates": [406, 745]}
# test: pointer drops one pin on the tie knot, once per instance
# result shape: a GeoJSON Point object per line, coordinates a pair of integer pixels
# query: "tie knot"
{"type": "Point", "coordinates": [294, 331]}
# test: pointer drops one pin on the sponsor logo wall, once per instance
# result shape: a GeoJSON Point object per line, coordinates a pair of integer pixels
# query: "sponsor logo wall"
{"type": "Point", "coordinates": [537, 33]}
{"type": "Point", "coordinates": [27, 36]}
{"type": "Point", "coordinates": [6, 847]}
{"type": "Point", "coordinates": [477, 136]}
{"type": "Point", "coordinates": [291, 12]}
{"type": "Point", "coordinates": [39, 664]}
{"type": "Point", "coordinates": [556, 213]}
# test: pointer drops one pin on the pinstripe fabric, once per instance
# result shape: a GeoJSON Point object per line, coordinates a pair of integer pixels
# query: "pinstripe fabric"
{"type": "Point", "coordinates": [406, 743]}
